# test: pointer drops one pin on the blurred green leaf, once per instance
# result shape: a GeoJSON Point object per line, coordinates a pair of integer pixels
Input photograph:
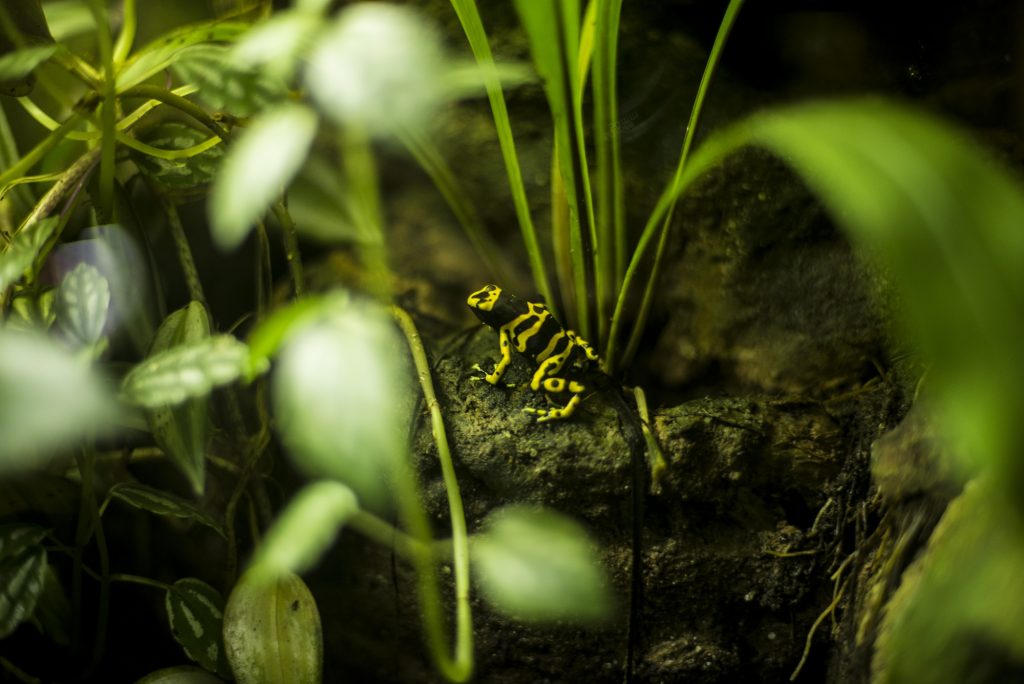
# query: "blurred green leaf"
{"type": "Point", "coordinates": [24, 249]}
{"type": "Point", "coordinates": [277, 45]}
{"type": "Point", "coordinates": [256, 170]}
{"type": "Point", "coordinates": [48, 399]}
{"type": "Point", "coordinates": [318, 202]}
{"type": "Point", "coordinates": [182, 430]}
{"type": "Point", "coordinates": [270, 334]}
{"type": "Point", "coordinates": [304, 530]}
{"type": "Point", "coordinates": [53, 610]}
{"type": "Point", "coordinates": [68, 18]}
{"type": "Point", "coordinates": [223, 84]}
{"type": "Point", "coordinates": [341, 397]}
{"type": "Point", "coordinates": [182, 674]}
{"type": "Point", "coordinates": [82, 301]}
{"type": "Point", "coordinates": [178, 177]}
{"type": "Point", "coordinates": [195, 613]}
{"type": "Point", "coordinates": [31, 311]}
{"type": "Point", "coordinates": [188, 370]}
{"type": "Point", "coordinates": [537, 565]}
{"type": "Point", "coordinates": [378, 67]}
{"type": "Point", "coordinates": [160, 502]}
{"type": "Point", "coordinates": [20, 63]}
{"type": "Point", "coordinates": [272, 632]}
{"type": "Point", "coordinates": [22, 574]}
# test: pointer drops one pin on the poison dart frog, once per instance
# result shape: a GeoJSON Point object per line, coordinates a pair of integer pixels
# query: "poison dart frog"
{"type": "Point", "coordinates": [565, 362]}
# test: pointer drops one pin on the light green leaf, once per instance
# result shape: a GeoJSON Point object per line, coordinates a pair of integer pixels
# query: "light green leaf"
{"type": "Point", "coordinates": [319, 203]}
{"type": "Point", "coordinates": [22, 574]}
{"type": "Point", "coordinates": [182, 674]}
{"type": "Point", "coordinates": [272, 632]}
{"type": "Point", "coordinates": [378, 67]}
{"type": "Point", "coordinates": [304, 530]}
{"type": "Point", "coordinates": [68, 18]}
{"type": "Point", "coordinates": [82, 301]}
{"type": "Point", "coordinates": [160, 502]}
{"type": "Point", "coordinates": [537, 565]}
{"type": "Point", "coordinates": [48, 399]}
{"type": "Point", "coordinates": [24, 249]}
{"type": "Point", "coordinates": [341, 396]}
{"type": "Point", "coordinates": [162, 52]}
{"type": "Point", "coordinates": [188, 370]}
{"type": "Point", "coordinates": [195, 613]}
{"type": "Point", "coordinates": [182, 430]}
{"type": "Point", "coordinates": [32, 312]}
{"type": "Point", "coordinates": [256, 170]}
{"type": "Point", "coordinates": [270, 334]}
{"type": "Point", "coordinates": [20, 63]}
{"type": "Point", "coordinates": [277, 45]}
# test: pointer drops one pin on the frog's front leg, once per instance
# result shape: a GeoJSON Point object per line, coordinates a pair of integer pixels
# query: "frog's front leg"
{"type": "Point", "coordinates": [494, 377]}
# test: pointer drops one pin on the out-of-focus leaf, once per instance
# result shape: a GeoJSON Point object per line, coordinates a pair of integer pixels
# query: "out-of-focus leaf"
{"type": "Point", "coordinates": [304, 530]}
{"type": "Point", "coordinates": [48, 399]}
{"type": "Point", "coordinates": [317, 201]}
{"type": "Point", "coordinates": [163, 503]}
{"type": "Point", "coordinates": [32, 312]}
{"type": "Point", "coordinates": [267, 337]}
{"type": "Point", "coordinates": [24, 249]}
{"type": "Point", "coordinates": [15, 66]}
{"type": "Point", "coordinates": [22, 574]}
{"type": "Point", "coordinates": [223, 85]}
{"type": "Point", "coordinates": [82, 301]}
{"type": "Point", "coordinates": [68, 18]}
{"type": "Point", "coordinates": [163, 52]}
{"type": "Point", "coordinates": [182, 430]}
{"type": "Point", "coordinates": [53, 610]}
{"type": "Point", "coordinates": [178, 177]}
{"type": "Point", "coordinates": [188, 370]}
{"type": "Point", "coordinates": [272, 632]}
{"type": "Point", "coordinates": [256, 170]}
{"type": "Point", "coordinates": [195, 613]}
{"type": "Point", "coordinates": [379, 67]}
{"type": "Point", "coordinates": [341, 396]}
{"type": "Point", "coordinates": [277, 44]}
{"type": "Point", "coordinates": [535, 564]}
{"type": "Point", "coordinates": [182, 674]}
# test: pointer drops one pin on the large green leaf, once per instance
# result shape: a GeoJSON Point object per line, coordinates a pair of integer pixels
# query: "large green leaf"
{"type": "Point", "coordinates": [195, 613]}
{"type": "Point", "coordinates": [187, 370]}
{"type": "Point", "coordinates": [48, 399]}
{"type": "Point", "coordinates": [256, 170]}
{"type": "Point", "coordinates": [341, 396]}
{"type": "Point", "coordinates": [535, 564]}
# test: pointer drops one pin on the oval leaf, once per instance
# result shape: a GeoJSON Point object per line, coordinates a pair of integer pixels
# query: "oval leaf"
{"type": "Point", "coordinates": [188, 370]}
{"type": "Point", "coordinates": [82, 301]}
{"type": "Point", "coordinates": [176, 176]}
{"type": "Point", "coordinates": [256, 170]}
{"type": "Point", "coordinates": [195, 612]}
{"type": "Point", "coordinates": [535, 564]}
{"type": "Point", "coordinates": [162, 503]}
{"type": "Point", "coordinates": [48, 398]}
{"type": "Point", "coordinates": [23, 572]}
{"type": "Point", "coordinates": [341, 397]}
{"type": "Point", "coordinates": [304, 530]}
{"type": "Point", "coordinates": [272, 632]}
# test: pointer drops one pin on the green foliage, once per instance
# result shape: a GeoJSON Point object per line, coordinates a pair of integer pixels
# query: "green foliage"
{"type": "Point", "coordinates": [160, 502]}
{"type": "Point", "coordinates": [535, 564]}
{"type": "Point", "coordinates": [190, 369]}
{"type": "Point", "coordinates": [182, 674]}
{"type": "Point", "coordinates": [24, 249]}
{"type": "Point", "coordinates": [256, 170]}
{"type": "Point", "coordinates": [272, 632]}
{"type": "Point", "coordinates": [174, 176]}
{"type": "Point", "coordinates": [23, 572]}
{"type": "Point", "coordinates": [81, 304]}
{"type": "Point", "coordinates": [224, 87]}
{"type": "Point", "coordinates": [195, 613]}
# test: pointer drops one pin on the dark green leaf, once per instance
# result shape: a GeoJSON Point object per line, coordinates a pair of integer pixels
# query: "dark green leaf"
{"type": "Point", "coordinates": [535, 564]}
{"type": "Point", "coordinates": [178, 177]}
{"type": "Point", "coordinates": [182, 674]}
{"type": "Point", "coordinates": [53, 610]}
{"type": "Point", "coordinates": [195, 612]}
{"type": "Point", "coordinates": [82, 301]}
{"type": "Point", "coordinates": [24, 249]}
{"type": "Point", "coordinates": [256, 170]}
{"type": "Point", "coordinates": [163, 503]}
{"type": "Point", "coordinates": [22, 574]}
{"type": "Point", "coordinates": [223, 85]}
{"type": "Point", "coordinates": [188, 370]}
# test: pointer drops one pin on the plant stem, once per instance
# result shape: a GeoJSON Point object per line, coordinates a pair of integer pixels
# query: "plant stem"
{"type": "Point", "coordinates": [459, 668]}
{"type": "Point", "coordinates": [127, 36]}
{"type": "Point", "coordinates": [291, 247]}
{"type": "Point", "coordinates": [180, 103]}
{"type": "Point", "coordinates": [188, 263]}
{"type": "Point", "coordinates": [108, 141]}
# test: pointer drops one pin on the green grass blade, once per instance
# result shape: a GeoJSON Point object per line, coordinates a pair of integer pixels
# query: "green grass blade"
{"type": "Point", "coordinates": [553, 30]}
{"type": "Point", "coordinates": [611, 228]}
{"type": "Point", "coordinates": [469, 17]}
{"type": "Point", "coordinates": [429, 157]}
{"type": "Point", "coordinates": [731, 12]}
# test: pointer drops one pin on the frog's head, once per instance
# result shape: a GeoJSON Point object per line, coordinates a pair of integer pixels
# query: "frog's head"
{"type": "Point", "coordinates": [484, 303]}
